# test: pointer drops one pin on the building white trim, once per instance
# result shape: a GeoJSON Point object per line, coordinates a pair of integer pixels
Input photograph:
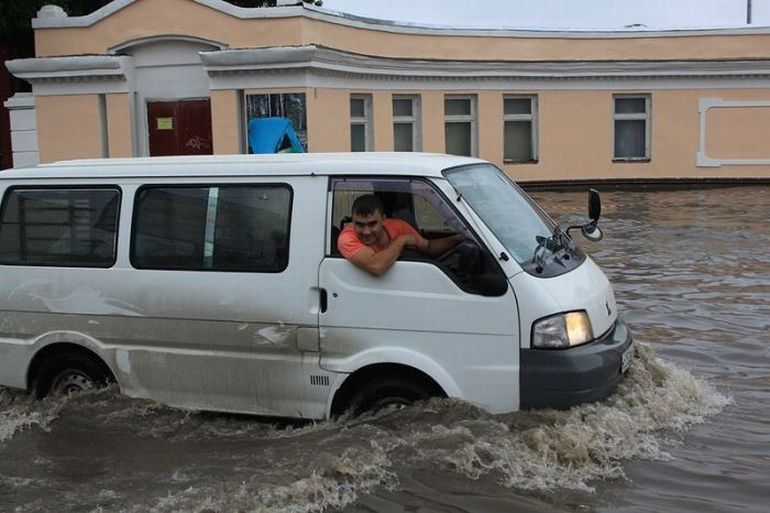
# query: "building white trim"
{"type": "Point", "coordinates": [162, 38]}
{"type": "Point", "coordinates": [704, 105]}
{"type": "Point", "coordinates": [50, 20]}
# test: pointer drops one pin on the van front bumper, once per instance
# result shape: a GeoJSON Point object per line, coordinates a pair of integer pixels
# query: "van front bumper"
{"type": "Point", "coordinates": [561, 378]}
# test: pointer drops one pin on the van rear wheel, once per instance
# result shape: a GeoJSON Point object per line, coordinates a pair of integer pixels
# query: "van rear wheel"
{"type": "Point", "coordinates": [70, 373]}
{"type": "Point", "coordinates": [388, 392]}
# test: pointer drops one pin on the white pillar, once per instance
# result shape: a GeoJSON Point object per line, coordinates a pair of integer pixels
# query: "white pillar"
{"type": "Point", "coordinates": [21, 107]}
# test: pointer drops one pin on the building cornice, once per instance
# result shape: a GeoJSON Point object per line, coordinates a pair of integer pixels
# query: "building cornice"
{"type": "Point", "coordinates": [323, 61]}
{"type": "Point", "coordinates": [53, 19]}
{"type": "Point", "coordinates": [82, 68]}
{"type": "Point", "coordinates": [331, 61]}
{"type": "Point", "coordinates": [20, 101]}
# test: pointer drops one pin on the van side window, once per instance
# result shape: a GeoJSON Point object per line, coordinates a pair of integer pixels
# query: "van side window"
{"type": "Point", "coordinates": [412, 200]}
{"type": "Point", "coordinates": [420, 204]}
{"type": "Point", "coordinates": [62, 226]}
{"type": "Point", "coordinates": [212, 228]}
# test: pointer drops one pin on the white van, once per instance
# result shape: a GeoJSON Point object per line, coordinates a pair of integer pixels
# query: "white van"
{"type": "Point", "coordinates": [214, 283]}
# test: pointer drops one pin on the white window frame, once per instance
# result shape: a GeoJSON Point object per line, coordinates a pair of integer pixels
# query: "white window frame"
{"type": "Point", "coordinates": [414, 120]}
{"type": "Point", "coordinates": [532, 117]}
{"type": "Point", "coordinates": [365, 120]}
{"type": "Point", "coordinates": [645, 116]}
{"type": "Point", "coordinates": [472, 117]}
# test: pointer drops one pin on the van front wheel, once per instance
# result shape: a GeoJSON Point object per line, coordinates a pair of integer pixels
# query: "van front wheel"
{"type": "Point", "coordinates": [70, 373]}
{"type": "Point", "coordinates": [388, 393]}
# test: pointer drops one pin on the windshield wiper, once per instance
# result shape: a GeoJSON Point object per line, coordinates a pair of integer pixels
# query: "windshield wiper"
{"type": "Point", "coordinates": [557, 241]}
{"type": "Point", "coordinates": [538, 257]}
{"type": "Point", "coordinates": [561, 238]}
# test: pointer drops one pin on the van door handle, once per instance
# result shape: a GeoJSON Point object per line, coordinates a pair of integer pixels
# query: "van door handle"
{"type": "Point", "coordinates": [324, 299]}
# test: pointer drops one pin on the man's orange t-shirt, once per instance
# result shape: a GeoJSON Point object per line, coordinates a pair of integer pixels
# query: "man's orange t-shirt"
{"type": "Point", "coordinates": [349, 244]}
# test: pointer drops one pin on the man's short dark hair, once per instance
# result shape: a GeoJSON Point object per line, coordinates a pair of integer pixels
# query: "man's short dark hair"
{"type": "Point", "coordinates": [367, 205]}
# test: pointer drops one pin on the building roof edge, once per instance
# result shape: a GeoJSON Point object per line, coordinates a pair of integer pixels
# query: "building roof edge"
{"type": "Point", "coordinates": [356, 21]}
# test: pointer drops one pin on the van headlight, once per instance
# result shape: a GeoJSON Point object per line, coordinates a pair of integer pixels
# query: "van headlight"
{"type": "Point", "coordinates": [562, 330]}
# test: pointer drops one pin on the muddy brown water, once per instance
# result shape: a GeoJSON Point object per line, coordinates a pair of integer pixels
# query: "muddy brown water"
{"type": "Point", "coordinates": [688, 431]}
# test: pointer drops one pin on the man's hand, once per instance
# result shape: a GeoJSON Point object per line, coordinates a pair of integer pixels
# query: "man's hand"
{"type": "Point", "coordinates": [435, 247]}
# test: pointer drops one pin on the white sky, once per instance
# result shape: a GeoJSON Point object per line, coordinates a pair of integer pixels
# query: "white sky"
{"type": "Point", "coordinates": [577, 14]}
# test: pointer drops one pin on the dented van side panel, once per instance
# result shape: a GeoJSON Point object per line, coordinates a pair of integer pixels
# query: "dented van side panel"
{"type": "Point", "coordinates": [195, 339]}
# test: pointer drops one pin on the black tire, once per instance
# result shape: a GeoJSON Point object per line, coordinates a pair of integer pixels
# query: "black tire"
{"type": "Point", "coordinates": [70, 373]}
{"type": "Point", "coordinates": [386, 392]}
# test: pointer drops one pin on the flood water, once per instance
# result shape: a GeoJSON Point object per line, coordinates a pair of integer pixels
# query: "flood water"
{"type": "Point", "coordinates": [688, 431]}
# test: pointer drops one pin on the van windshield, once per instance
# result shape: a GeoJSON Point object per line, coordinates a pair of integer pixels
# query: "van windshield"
{"type": "Point", "coordinates": [511, 215]}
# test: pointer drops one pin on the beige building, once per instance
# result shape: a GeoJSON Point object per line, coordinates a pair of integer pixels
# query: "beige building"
{"type": "Point", "coordinates": [154, 77]}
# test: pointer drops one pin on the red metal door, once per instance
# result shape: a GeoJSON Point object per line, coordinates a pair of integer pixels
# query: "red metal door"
{"type": "Point", "coordinates": [180, 127]}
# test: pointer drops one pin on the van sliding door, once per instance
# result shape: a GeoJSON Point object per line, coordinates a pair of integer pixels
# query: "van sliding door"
{"type": "Point", "coordinates": [225, 288]}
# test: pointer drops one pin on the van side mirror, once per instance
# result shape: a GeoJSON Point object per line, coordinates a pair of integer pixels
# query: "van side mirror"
{"type": "Point", "coordinates": [590, 230]}
{"type": "Point", "coordinates": [594, 205]}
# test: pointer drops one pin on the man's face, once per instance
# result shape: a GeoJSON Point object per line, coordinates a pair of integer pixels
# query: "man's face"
{"type": "Point", "coordinates": [368, 227]}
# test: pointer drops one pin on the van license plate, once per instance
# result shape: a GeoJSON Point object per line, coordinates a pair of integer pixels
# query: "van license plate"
{"type": "Point", "coordinates": [625, 359]}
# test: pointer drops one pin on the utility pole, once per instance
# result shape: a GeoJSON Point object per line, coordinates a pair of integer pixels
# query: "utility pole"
{"type": "Point", "coordinates": [748, 12]}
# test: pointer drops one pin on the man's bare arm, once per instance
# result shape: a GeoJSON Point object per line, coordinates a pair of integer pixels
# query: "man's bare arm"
{"type": "Point", "coordinates": [435, 247]}
{"type": "Point", "coordinates": [376, 263]}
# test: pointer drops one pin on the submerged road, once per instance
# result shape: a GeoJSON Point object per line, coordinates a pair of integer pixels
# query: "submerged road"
{"type": "Point", "coordinates": [688, 431]}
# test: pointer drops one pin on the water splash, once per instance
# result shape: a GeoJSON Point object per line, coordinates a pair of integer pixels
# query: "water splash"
{"type": "Point", "coordinates": [538, 451]}
{"type": "Point", "coordinates": [18, 411]}
{"type": "Point", "coordinates": [569, 449]}
{"type": "Point", "coordinates": [268, 468]}
{"type": "Point", "coordinates": [342, 481]}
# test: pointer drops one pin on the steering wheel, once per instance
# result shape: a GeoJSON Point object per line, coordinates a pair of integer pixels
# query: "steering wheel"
{"type": "Point", "coordinates": [469, 254]}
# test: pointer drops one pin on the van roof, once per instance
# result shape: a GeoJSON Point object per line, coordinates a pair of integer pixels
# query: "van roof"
{"type": "Point", "coordinates": [376, 163]}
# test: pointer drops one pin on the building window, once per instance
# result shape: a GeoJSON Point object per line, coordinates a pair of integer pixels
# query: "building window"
{"type": "Point", "coordinates": [460, 130]}
{"type": "Point", "coordinates": [276, 123]}
{"type": "Point", "coordinates": [212, 228]}
{"type": "Point", "coordinates": [631, 127]}
{"type": "Point", "coordinates": [72, 227]}
{"type": "Point", "coordinates": [406, 123]}
{"type": "Point", "coordinates": [360, 122]}
{"type": "Point", "coordinates": [520, 131]}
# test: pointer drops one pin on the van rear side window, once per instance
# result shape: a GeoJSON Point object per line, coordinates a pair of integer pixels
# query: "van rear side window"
{"type": "Point", "coordinates": [68, 227]}
{"type": "Point", "coordinates": [212, 228]}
